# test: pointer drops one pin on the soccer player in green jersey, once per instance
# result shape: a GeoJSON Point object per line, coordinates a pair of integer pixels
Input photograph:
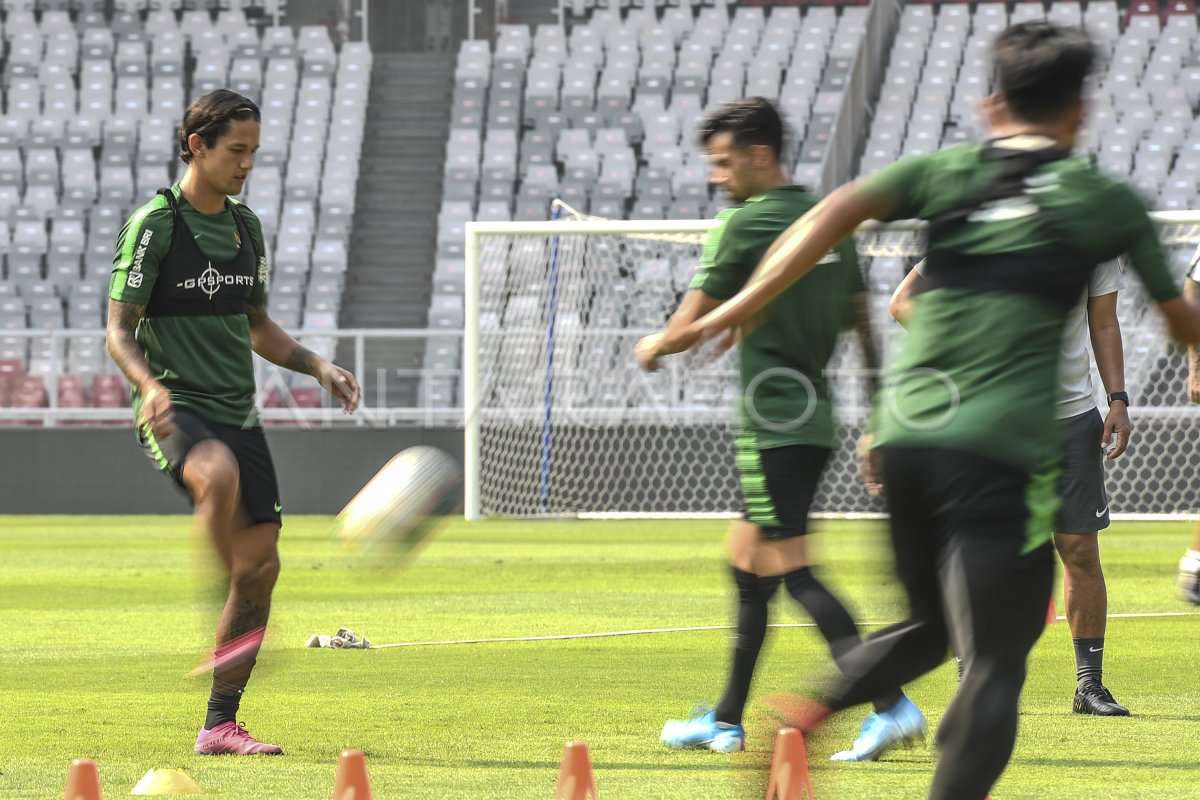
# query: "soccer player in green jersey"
{"type": "Point", "coordinates": [965, 438]}
{"type": "Point", "coordinates": [187, 309]}
{"type": "Point", "coordinates": [785, 429]}
{"type": "Point", "coordinates": [1087, 440]}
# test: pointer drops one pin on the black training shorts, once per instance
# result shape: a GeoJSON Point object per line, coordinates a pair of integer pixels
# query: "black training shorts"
{"type": "Point", "coordinates": [779, 484]}
{"type": "Point", "coordinates": [259, 487]}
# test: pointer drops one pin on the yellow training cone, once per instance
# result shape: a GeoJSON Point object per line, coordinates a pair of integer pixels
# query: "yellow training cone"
{"type": "Point", "coordinates": [166, 781]}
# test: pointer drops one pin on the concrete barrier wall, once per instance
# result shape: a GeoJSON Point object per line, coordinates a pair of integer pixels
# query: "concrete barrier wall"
{"type": "Point", "coordinates": [103, 471]}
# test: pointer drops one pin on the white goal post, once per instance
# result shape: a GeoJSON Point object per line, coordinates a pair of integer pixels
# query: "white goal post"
{"type": "Point", "coordinates": [559, 421]}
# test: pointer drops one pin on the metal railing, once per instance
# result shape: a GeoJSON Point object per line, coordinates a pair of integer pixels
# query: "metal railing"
{"type": "Point", "coordinates": [375, 410]}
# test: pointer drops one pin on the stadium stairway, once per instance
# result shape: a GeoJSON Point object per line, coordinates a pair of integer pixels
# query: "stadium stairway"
{"type": "Point", "coordinates": [399, 193]}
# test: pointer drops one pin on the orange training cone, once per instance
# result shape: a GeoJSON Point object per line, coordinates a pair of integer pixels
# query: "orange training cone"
{"type": "Point", "coordinates": [83, 780]}
{"type": "Point", "coordinates": [789, 768]}
{"type": "Point", "coordinates": [575, 780]}
{"type": "Point", "coordinates": [1051, 612]}
{"type": "Point", "coordinates": [351, 782]}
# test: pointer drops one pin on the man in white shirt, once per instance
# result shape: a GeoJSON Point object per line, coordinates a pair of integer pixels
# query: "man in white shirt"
{"type": "Point", "coordinates": [1189, 565]}
{"type": "Point", "coordinates": [1087, 441]}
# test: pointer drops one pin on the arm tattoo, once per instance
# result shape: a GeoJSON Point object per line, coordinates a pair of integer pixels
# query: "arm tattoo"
{"type": "Point", "coordinates": [125, 316]}
{"type": "Point", "coordinates": [301, 359]}
{"type": "Point", "coordinates": [123, 320]}
{"type": "Point", "coordinates": [271, 341]}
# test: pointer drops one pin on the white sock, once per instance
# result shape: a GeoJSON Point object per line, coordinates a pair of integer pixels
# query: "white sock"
{"type": "Point", "coordinates": [1190, 562]}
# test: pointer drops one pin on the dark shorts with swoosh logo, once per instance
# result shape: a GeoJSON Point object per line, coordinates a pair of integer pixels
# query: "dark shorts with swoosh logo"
{"type": "Point", "coordinates": [1084, 506]}
{"type": "Point", "coordinates": [259, 487]}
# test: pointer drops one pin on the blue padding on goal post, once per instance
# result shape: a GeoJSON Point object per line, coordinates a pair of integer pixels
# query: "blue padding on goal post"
{"type": "Point", "coordinates": [551, 309]}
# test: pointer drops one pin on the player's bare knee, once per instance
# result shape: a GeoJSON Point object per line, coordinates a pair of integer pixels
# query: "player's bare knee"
{"type": "Point", "coordinates": [1080, 553]}
{"type": "Point", "coordinates": [268, 572]}
{"type": "Point", "coordinates": [256, 578]}
{"type": "Point", "coordinates": [211, 472]}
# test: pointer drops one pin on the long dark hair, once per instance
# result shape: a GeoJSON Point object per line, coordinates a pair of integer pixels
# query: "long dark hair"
{"type": "Point", "coordinates": [209, 116]}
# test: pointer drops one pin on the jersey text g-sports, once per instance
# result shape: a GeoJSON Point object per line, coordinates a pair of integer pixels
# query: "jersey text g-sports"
{"type": "Point", "coordinates": [195, 274]}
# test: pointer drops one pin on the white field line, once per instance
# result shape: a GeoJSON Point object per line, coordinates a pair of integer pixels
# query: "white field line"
{"type": "Point", "coordinates": [822, 515]}
{"type": "Point", "coordinates": [690, 628]}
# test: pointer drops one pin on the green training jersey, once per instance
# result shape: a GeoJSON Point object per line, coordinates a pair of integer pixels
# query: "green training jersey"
{"type": "Point", "coordinates": [784, 396]}
{"type": "Point", "coordinates": [1016, 228]}
{"type": "Point", "coordinates": [195, 274]}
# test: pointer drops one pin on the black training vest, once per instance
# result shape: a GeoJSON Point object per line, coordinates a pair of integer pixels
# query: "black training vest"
{"type": "Point", "coordinates": [190, 284]}
{"type": "Point", "coordinates": [1057, 272]}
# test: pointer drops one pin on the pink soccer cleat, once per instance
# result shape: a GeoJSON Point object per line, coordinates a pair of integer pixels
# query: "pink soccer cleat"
{"type": "Point", "coordinates": [232, 738]}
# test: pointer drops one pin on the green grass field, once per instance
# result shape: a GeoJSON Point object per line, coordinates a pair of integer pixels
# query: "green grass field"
{"type": "Point", "coordinates": [104, 616]}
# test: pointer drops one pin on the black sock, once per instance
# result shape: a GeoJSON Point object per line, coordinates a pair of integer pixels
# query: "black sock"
{"type": "Point", "coordinates": [832, 618]}
{"type": "Point", "coordinates": [222, 708]}
{"type": "Point", "coordinates": [753, 595]}
{"type": "Point", "coordinates": [1089, 660]}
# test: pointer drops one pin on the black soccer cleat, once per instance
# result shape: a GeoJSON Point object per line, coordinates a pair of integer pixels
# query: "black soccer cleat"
{"type": "Point", "coordinates": [1189, 587]}
{"type": "Point", "coordinates": [1093, 698]}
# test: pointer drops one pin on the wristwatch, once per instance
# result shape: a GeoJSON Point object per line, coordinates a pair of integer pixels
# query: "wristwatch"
{"type": "Point", "coordinates": [1122, 396]}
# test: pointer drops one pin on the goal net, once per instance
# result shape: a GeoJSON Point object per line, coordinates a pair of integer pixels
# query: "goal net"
{"type": "Point", "coordinates": [560, 421]}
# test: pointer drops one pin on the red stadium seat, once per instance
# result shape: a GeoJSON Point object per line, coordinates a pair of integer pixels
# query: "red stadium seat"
{"type": "Point", "coordinates": [1142, 8]}
{"type": "Point", "coordinates": [1181, 8]}
{"type": "Point", "coordinates": [11, 372]}
{"type": "Point", "coordinates": [11, 368]}
{"type": "Point", "coordinates": [71, 394]}
{"type": "Point", "coordinates": [306, 398]}
{"type": "Point", "coordinates": [72, 399]}
{"type": "Point", "coordinates": [109, 400]}
{"type": "Point", "coordinates": [70, 383]}
{"type": "Point", "coordinates": [291, 399]}
{"type": "Point", "coordinates": [107, 384]}
{"type": "Point", "coordinates": [30, 392]}
{"type": "Point", "coordinates": [109, 391]}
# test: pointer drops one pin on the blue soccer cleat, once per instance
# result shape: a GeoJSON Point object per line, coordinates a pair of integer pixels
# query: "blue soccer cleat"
{"type": "Point", "coordinates": [902, 724]}
{"type": "Point", "coordinates": [703, 731]}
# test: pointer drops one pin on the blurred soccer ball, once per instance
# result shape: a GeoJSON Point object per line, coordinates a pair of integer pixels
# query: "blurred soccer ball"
{"type": "Point", "coordinates": [402, 505]}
